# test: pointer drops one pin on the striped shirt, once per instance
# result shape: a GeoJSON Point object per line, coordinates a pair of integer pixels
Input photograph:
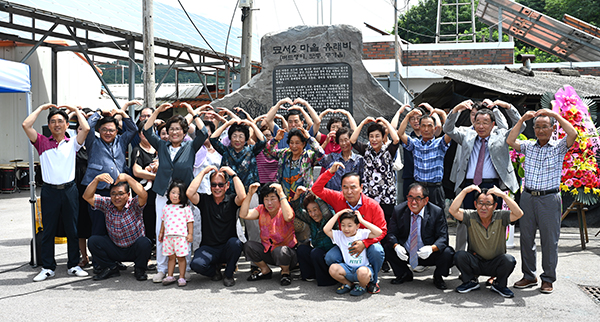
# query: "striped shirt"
{"type": "Point", "coordinates": [124, 227]}
{"type": "Point", "coordinates": [543, 164]}
{"type": "Point", "coordinates": [429, 158]}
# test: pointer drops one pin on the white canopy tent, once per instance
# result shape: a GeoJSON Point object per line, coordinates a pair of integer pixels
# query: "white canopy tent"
{"type": "Point", "coordinates": [16, 78]}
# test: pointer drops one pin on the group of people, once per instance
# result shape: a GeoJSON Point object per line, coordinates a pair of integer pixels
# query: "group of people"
{"type": "Point", "coordinates": [217, 182]}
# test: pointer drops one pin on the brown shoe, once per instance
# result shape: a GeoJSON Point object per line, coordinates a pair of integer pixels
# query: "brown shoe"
{"type": "Point", "coordinates": [525, 283]}
{"type": "Point", "coordinates": [546, 288]}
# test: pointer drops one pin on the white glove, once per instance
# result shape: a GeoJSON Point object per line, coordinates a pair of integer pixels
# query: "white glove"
{"type": "Point", "coordinates": [425, 252]}
{"type": "Point", "coordinates": [401, 252]}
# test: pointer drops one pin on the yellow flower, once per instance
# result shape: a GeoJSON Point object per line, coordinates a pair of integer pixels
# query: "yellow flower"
{"type": "Point", "coordinates": [586, 190]}
{"type": "Point", "coordinates": [596, 191]}
{"type": "Point", "coordinates": [574, 191]}
{"type": "Point", "coordinates": [564, 187]}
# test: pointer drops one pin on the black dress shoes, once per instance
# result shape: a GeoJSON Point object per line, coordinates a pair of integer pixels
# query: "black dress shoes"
{"type": "Point", "coordinates": [140, 274]}
{"type": "Point", "coordinates": [106, 273]}
{"type": "Point", "coordinates": [407, 277]}
{"type": "Point", "coordinates": [438, 281]}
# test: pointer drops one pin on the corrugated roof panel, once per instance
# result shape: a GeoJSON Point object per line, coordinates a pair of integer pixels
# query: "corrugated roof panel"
{"type": "Point", "coordinates": [510, 83]}
{"type": "Point", "coordinates": [170, 23]}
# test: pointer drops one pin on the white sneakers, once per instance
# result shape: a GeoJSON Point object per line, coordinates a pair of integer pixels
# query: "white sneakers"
{"type": "Point", "coordinates": [73, 271]}
{"type": "Point", "coordinates": [77, 271]}
{"type": "Point", "coordinates": [44, 274]}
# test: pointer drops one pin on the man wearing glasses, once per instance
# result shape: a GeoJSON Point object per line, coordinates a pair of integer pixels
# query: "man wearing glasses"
{"type": "Point", "coordinates": [482, 151]}
{"type": "Point", "coordinates": [418, 235]}
{"type": "Point", "coordinates": [541, 200]}
{"type": "Point", "coordinates": [126, 240]}
{"type": "Point", "coordinates": [486, 229]}
{"type": "Point", "coordinates": [106, 154]}
{"type": "Point", "coordinates": [220, 243]}
{"type": "Point", "coordinates": [428, 152]}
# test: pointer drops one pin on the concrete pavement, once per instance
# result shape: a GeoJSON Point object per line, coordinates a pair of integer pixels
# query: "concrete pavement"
{"type": "Point", "coordinates": [123, 298]}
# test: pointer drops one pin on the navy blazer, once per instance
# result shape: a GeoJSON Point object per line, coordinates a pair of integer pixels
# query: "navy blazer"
{"type": "Point", "coordinates": [104, 157]}
{"type": "Point", "coordinates": [434, 228]}
{"type": "Point", "coordinates": [181, 167]}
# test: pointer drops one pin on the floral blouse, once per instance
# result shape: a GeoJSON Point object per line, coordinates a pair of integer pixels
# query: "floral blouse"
{"type": "Point", "coordinates": [243, 162]}
{"type": "Point", "coordinates": [380, 183]}
{"type": "Point", "coordinates": [307, 161]}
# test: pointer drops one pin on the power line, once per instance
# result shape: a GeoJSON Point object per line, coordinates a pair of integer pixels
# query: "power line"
{"type": "Point", "coordinates": [201, 35]}
{"type": "Point", "coordinates": [230, 24]}
{"type": "Point", "coordinates": [298, 12]}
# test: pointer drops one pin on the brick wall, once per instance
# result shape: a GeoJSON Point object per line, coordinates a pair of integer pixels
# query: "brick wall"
{"type": "Point", "coordinates": [378, 50]}
{"type": "Point", "coordinates": [593, 71]}
{"type": "Point", "coordinates": [385, 50]}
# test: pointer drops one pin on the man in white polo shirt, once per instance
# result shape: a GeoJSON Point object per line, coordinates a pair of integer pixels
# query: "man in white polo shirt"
{"type": "Point", "coordinates": [59, 192]}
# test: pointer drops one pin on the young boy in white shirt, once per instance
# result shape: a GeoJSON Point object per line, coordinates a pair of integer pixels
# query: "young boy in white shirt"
{"type": "Point", "coordinates": [356, 268]}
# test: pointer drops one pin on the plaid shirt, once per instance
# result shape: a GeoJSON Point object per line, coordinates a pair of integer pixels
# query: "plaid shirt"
{"type": "Point", "coordinates": [429, 158]}
{"type": "Point", "coordinates": [356, 164]}
{"type": "Point", "coordinates": [126, 226]}
{"type": "Point", "coordinates": [543, 164]}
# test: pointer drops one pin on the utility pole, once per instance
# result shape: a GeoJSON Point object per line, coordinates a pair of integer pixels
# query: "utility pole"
{"type": "Point", "coordinates": [246, 61]}
{"type": "Point", "coordinates": [149, 73]}
{"type": "Point", "coordinates": [396, 42]}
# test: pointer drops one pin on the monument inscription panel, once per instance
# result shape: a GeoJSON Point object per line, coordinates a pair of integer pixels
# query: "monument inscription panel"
{"type": "Point", "coordinates": [324, 86]}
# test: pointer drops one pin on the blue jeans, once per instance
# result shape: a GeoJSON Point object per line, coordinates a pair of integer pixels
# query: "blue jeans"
{"type": "Point", "coordinates": [375, 254]}
{"type": "Point", "coordinates": [206, 258]}
{"type": "Point", "coordinates": [312, 265]}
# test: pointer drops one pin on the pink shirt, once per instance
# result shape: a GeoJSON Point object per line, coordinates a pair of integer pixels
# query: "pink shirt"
{"type": "Point", "coordinates": [175, 220]}
{"type": "Point", "coordinates": [275, 232]}
{"type": "Point", "coordinates": [57, 159]}
{"type": "Point", "coordinates": [331, 147]}
{"type": "Point", "coordinates": [267, 168]}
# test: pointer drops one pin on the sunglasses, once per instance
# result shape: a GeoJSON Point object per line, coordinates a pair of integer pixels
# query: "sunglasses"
{"type": "Point", "coordinates": [220, 184]}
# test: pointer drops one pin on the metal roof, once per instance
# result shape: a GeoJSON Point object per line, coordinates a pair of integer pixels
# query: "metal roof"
{"type": "Point", "coordinates": [509, 83]}
{"type": "Point", "coordinates": [105, 17]}
{"type": "Point", "coordinates": [539, 30]}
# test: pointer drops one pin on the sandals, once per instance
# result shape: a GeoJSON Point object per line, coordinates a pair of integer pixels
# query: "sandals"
{"type": "Point", "coordinates": [168, 280]}
{"type": "Point", "coordinates": [285, 280]}
{"type": "Point", "coordinates": [181, 282]}
{"type": "Point", "coordinates": [85, 262]}
{"type": "Point", "coordinates": [259, 276]}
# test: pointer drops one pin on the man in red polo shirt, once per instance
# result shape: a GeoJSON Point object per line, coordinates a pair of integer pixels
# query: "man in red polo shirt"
{"type": "Point", "coordinates": [59, 192]}
{"type": "Point", "coordinates": [352, 197]}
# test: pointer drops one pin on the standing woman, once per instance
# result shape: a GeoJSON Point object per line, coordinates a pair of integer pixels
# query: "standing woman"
{"type": "Point", "coordinates": [295, 163]}
{"type": "Point", "coordinates": [267, 166]}
{"type": "Point", "coordinates": [176, 161]}
{"type": "Point", "coordinates": [380, 183]}
{"type": "Point", "coordinates": [145, 163]}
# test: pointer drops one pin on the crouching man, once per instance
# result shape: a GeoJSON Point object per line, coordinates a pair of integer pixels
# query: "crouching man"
{"type": "Point", "coordinates": [126, 240]}
{"type": "Point", "coordinates": [486, 231]}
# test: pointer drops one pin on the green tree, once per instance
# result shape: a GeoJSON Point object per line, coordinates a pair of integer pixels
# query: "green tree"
{"type": "Point", "coordinates": [417, 24]}
{"type": "Point", "coordinates": [586, 10]}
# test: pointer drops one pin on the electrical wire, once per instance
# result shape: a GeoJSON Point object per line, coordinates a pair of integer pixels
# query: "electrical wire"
{"type": "Point", "coordinates": [230, 24]}
{"type": "Point", "coordinates": [119, 47]}
{"type": "Point", "coordinates": [299, 12]}
{"type": "Point", "coordinates": [201, 35]}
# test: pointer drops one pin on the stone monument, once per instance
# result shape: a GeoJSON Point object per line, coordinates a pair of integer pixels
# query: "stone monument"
{"type": "Point", "coordinates": [321, 64]}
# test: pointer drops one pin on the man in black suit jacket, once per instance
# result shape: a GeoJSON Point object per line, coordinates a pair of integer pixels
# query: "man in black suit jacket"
{"type": "Point", "coordinates": [429, 247]}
